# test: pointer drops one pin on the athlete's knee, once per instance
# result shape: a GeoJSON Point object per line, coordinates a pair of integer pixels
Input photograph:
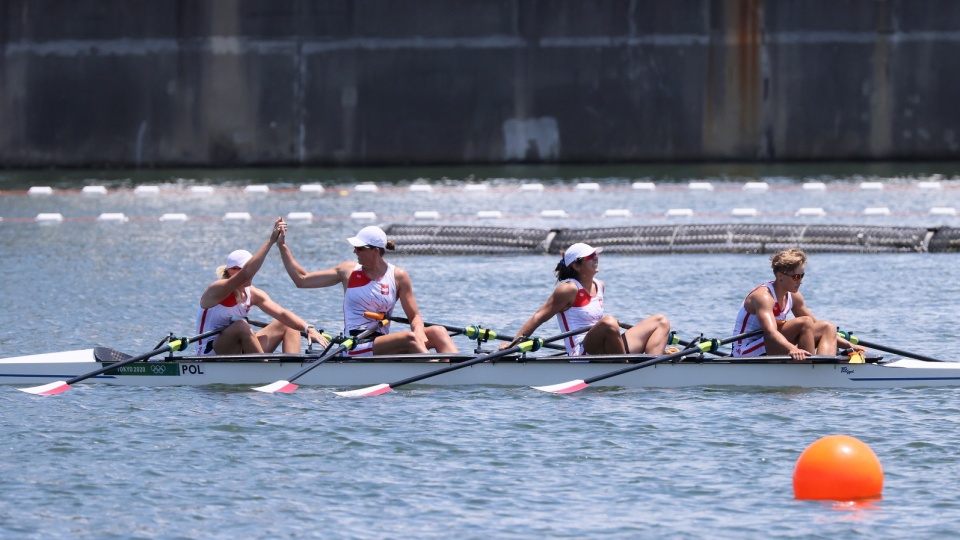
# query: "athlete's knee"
{"type": "Point", "coordinates": [826, 328]}
{"type": "Point", "coordinates": [661, 321]}
{"type": "Point", "coordinates": [608, 325]}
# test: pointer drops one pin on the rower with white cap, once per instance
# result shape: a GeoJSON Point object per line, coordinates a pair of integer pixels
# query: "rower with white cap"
{"type": "Point", "coordinates": [577, 301]}
{"type": "Point", "coordinates": [226, 302]}
{"type": "Point", "coordinates": [372, 284]}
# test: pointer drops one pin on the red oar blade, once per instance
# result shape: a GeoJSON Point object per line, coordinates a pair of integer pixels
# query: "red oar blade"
{"type": "Point", "coordinates": [563, 388]}
{"type": "Point", "coordinates": [284, 387]}
{"type": "Point", "coordinates": [47, 389]}
{"type": "Point", "coordinates": [366, 392]}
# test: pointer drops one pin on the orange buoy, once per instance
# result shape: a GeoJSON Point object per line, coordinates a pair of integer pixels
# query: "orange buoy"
{"type": "Point", "coordinates": [838, 468]}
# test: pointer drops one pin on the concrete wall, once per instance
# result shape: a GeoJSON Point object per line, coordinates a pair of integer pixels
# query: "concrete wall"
{"type": "Point", "coordinates": [325, 82]}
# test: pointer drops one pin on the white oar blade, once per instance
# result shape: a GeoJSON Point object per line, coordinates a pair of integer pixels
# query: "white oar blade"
{"type": "Point", "coordinates": [563, 388]}
{"type": "Point", "coordinates": [47, 389]}
{"type": "Point", "coordinates": [284, 387]}
{"type": "Point", "coordinates": [365, 392]}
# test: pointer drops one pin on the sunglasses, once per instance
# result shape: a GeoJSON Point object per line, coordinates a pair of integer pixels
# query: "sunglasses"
{"type": "Point", "coordinates": [363, 248]}
{"type": "Point", "coordinates": [589, 257]}
{"type": "Point", "coordinates": [796, 277]}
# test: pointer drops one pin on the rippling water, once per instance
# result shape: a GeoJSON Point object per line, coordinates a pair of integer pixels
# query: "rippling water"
{"type": "Point", "coordinates": [430, 462]}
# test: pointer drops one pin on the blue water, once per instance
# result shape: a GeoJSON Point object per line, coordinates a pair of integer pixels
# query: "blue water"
{"type": "Point", "coordinates": [472, 462]}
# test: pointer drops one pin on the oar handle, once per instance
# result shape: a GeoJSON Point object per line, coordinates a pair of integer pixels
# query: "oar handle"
{"type": "Point", "coordinates": [472, 332]}
{"type": "Point", "coordinates": [172, 346]}
{"type": "Point", "coordinates": [526, 345]}
{"type": "Point", "coordinates": [857, 341]}
{"type": "Point", "coordinates": [710, 345]}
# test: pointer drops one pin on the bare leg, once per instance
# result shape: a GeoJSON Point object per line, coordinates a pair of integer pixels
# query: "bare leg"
{"type": "Point", "coordinates": [439, 340]}
{"type": "Point", "coordinates": [649, 335]}
{"type": "Point", "coordinates": [604, 337]}
{"type": "Point", "coordinates": [798, 331]}
{"type": "Point", "coordinates": [238, 338]}
{"type": "Point", "coordinates": [398, 343]}
{"type": "Point", "coordinates": [825, 334]}
{"type": "Point", "coordinates": [275, 333]}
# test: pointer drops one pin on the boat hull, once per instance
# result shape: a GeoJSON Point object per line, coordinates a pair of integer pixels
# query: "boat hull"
{"type": "Point", "coordinates": [824, 372]}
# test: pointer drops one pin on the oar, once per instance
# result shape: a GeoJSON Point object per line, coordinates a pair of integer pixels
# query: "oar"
{"type": "Point", "coordinates": [287, 386]}
{"type": "Point", "coordinates": [62, 386]}
{"type": "Point", "coordinates": [703, 346]}
{"type": "Point", "coordinates": [474, 332]}
{"type": "Point", "coordinates": [528, 345]}
{"type": "Point", "coordinates": [857, 341]}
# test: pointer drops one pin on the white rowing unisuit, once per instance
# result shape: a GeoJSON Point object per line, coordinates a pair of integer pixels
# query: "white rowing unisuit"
{"type": "Point", "coordinates": [220, 316]}
{"type": "Point", "coordinates": [748, 322]}
{"type": "Point", "coordinates": [585, 311]}
{"type": "Point", "coordinates": [365, 294]}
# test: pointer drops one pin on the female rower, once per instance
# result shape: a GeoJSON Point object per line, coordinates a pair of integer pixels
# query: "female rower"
{"type": "Point", "coordinates": [767, 307]}
{"type": "Point", "coordinates": [577, 301]}
{"type": "Point", "coordinates": [226, 302]}
{"type": "Point", "coordinates": [372, 284]}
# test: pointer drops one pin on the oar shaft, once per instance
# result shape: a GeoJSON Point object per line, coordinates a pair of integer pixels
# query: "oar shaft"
{"type": "Point", "coordinates": [857, 341]}
{"type": "Point", "coordinates": [525, 345]}
{"type": "Point", "coordinates": [466, 331]}
{"type": "Point", "coordinates": [175, 345]}
{"type": "Point", "coordinates": [703, 347]}
{"type": "Point", "coordinates": [347, 344]}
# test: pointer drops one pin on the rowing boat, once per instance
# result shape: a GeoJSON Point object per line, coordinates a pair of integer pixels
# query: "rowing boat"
{"type": "Point", "coordinates": [513, 370]}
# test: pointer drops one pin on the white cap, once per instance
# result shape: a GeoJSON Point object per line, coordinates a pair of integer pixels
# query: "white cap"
{"type": "Point", "coordinates": [578, 251]}
{"type": "Point", "coordinates": [238, 258]}
{"type": "Point", "coordinates": [369, 236]}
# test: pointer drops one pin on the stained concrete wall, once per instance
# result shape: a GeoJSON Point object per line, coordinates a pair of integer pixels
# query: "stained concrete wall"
{"type": "Point", "coordinates": [306, 82]}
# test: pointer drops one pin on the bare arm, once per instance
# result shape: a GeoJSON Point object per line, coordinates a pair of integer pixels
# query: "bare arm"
{"type": "Point", "coordinates": [762, 304]}
{"type": "Point", "coordinates": [409, 301]}
{"type": "Point", "coordinates": [310, 280]}
{"type": "Point", "coordinates": [560, 299]}
{"type": "Point", "coordinates": [220, 289]}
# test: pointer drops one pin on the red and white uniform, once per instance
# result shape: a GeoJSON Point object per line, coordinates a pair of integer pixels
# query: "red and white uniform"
{"type": "Point", "coordinates": [365, 294]}
{"type": "Point", "coordinates": [220, 316]}
{"type": "Point", "coordinates": [585, 311]}
{"type": "Point", "coordinates": [748, 322]}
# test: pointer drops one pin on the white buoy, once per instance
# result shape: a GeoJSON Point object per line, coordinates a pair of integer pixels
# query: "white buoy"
{"type": "Point", "coordinates": [943, 211]}
{"type": "Point", "coordinates": [876, 211]}
{"type": "Point", "coordinates": [257, 188]}
{"type": "Point", "coordinates": [40, 190]}
{"type": "Point", "coordinates": [311, 188]}
{"type": "Point", "coordinates": [810, 212]}
{"type": "Point", "coordinates": [756, 186]}
{"type": "Point", "coordinates": [366, 187]}
{"type": "Point", "coordinates": [929, 184]}
{"type": "Point", "coordinates": [744, 212]}
{"type": "Point", "coordinates": [490, 214]}
{"type": "Point", "coordinates": [814, 186]}
{"type": "Point", "coordinates": [679, 212]}
{"type": "Point", "coordinates": [174, 217]}
{"type": "Point", "coordinates": [531, 187]}
{"type": "Point", "coordinates": [146, 190]}
{"type": "Point", "coordinates": [201, 190]}
{"type": "Point", "coordinates": [421, 188]}
{"type": "Point", "coordinates": [476, 187]}
{"type": "Point", "coordinates": [237, 216]}
{"type": "Point", "coordinates": [363, 215]}
{"type": "Point", "coordinates": [875, 186]}
{"type": "Point", "coordinates": [587, 186]}
{"type": "Point", "coordinates": [617, 212]}
{"type": "Point", "coordinates": [112, 216]}
{"type": "Point", "coordinates": [300, 216]}
{"type": "Point", "coordinates": [51, 217]}
{"type": "Point", "coordinates": [94, 190]}
{"type": "Point", "coordinates": [643, 186]}
{"type": "Point", "coordinates": [553, 213]}
{"type": "Point", "coordinates": [700, 186]}
{"type": "Point", "coordinates": [426, 214]}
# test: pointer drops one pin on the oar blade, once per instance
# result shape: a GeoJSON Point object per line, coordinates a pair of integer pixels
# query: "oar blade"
{"type": "Point", "coordinates": [375, 390]}
{"type": "Point", "coordinates": [53, 388]}
{"type": "Point", "coordinates": [283, 387]}
{"type": "Point", "coordinates": [563, 388]}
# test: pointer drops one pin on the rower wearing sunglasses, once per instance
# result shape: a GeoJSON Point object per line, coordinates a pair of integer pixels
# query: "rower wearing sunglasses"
{"type": "Point", "coordinates": [370, 283]}
{"type": "Point", "coordinates": [577, 301]}
{"type": "Point", "coordinates": [768, 306]}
